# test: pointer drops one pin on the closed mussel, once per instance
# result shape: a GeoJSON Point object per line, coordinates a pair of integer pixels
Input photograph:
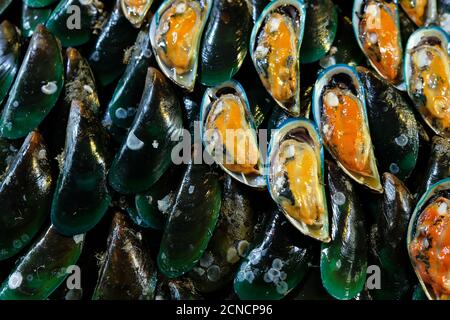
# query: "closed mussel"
{"type": "Point", "coordinates": [275, 50]}
{"type": "Point", "coordinates": [175, 34]}
{"type": "Point", "coordinates": [229, 133]}
{"type": "Point", "coordinates": [428, 240]}
{"type": "Point", "coordinates": [427, 74]}
{"type": "Point", "coordinates": [295, 177]}
{"type": "Point", "coordinates": [340, 113]}
{"type": "Point", "coordinates": [376, 27]}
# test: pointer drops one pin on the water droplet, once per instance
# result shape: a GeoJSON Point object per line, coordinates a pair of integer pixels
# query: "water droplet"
{"type": "Point", "coordinates": [394, 168]}
{"type": "Point", "coordinates": [121, 113]}
{"type": "Point", "coordinates": [339, 198]}
{"type": "Point", "coordinates": [277, 264]}
{"type": "Point", "coordinates": [401, 140]}
{"type": "Point", "coordinates": [133, 142]}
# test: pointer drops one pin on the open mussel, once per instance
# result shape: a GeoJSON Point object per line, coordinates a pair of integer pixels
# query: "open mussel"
{"type": "Point", "coordinates": [136, 10]}
{"type": "Point", "coordinates": [175, 34]}
{"type": "Point", "coordinates": [229, 133]}
{"type": "Point", "coordinates": [295, 177]}
{"type": "Point", "coordinates": [418, 10]}
{"type": "Point", "coordinates": [376, 26]}
{"type": "Point", "coordinates": [428, 240]}
{"type": "Point", "coordinates": [427, 74]}
{"type": "Point", "coordinates": [275, 50]}
{"type": "Point", "coordinates": [340, 113]}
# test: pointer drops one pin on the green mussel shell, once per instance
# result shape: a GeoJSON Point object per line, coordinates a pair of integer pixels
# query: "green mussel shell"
{"type": "Point", "coordinates": [128, 272]}
{"type": "Point", "coordinates": [393, 127]}
{"type": "Point", "coordinates": [25, 196]}
{"type": "Point", "coordinates": [146, 152]}
{"type": "Point", "coordinates": [388, 238]}
{"type": "Point", "coordinates": [36, 88]}
{"type": "Point", "coordinates": [71, 22]}
{"type": "Point", "coordinates": [275, 265]}
{"type": "Point", "coordinates": [43, 269]}
{"type": "Point", "coordinates": [38, 3]}
{"type": "Point", "coordinates": [9, 56]}
{"type": "Point", "coordinates": [125, 100]}
{"type": "Point", "coordinates": [191, 221]}
{"type": "Point", "coordinates": [343, 261]}
{"type": "Point", "coordinates": [225, 41]}
{"type": "Point", "coordinates": [117, 35]}
{"type": "Point", "coordinates": [32, 17]}
{"type": "Point", "coordinates": [229, 242]}
{"type": "Point", "coordinates": [81, 197]}
{"type": "Point", "coordinates": [320, 30]}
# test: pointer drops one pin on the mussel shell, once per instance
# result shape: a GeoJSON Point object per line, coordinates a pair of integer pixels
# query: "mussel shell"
{"type": "Point", "coordinates": [186, 80]}
{"type": "Point", "coordinates": [36, 88]}
{"type": "Point", "coordinates": [305, 131]}
{"type": "Point", "coordinates": [145, 154]}
{"type": "Point", "coordinates": [225, 41]}
{"type": "Point", "coordinates": [61, 22]}
{"type": "Point", "coordinates": [210, 96]}
{"type": "Point", "coordinates": [4, 5]}
{"type": "Point", "coordinates": [9, 56]}
{"type": "Point", "coordinates": [393, 126]}
{"type": "Point", "coordinates": [410, 8]}
{"type": "Point", "coordinates": [343, 261]}
{"type": "Point", "coordinates": [229, 243]}
{"type": "Point", "coordinates": [276, 264]}
{"type": "Point", "coordinates": [287, 7]}
{"type": "Point", "coordinates": [441, 187]}
{"type": "Point", "coordinates": [38, 3]}
{"type": "Point", "coordinates": [438, 39]}
{"type": "Point", "coordinates": [191, 221]}
{"type": "Point", "coordinates": [128, 271]}
{"type": "Point", "coordinates": [320, 30]}
{"type": "Point", "coordinates": [32, 17]}
{"type": "Point", "coordinates": [388, 236]}
{"type": "Point", "coordinates": [358, 6]}
{"type": "Point", "coordinates": [43, 268]}
{"type": "Point", "coordinates": [337, 74]}
{"type": "Point", "coordinates": [25, 195]}
{"type": "Point", "coordinates": [125, 100]}
{"type": "Point", "coordinates": [136, 13]}
{"type": "Point", "coordinates": [438, 166]}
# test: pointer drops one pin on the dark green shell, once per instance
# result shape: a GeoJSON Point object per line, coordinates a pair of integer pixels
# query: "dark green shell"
{"type": "Point", "coordinates": [146, 152]}
{"type": "Point", "coordinates": [229, 242]}
{"type": "Point", "coordinates": [9, 56]}
{"type": "Point", "coordinates": [36, 88]}
{"type": "Point", "coordinates": [275, 265]}
{"type": "Point", "coordinates": [225, 41]}
{"type": "Point", "coordinates": [43, 268]}
{"type": "Point", "coordinates": [63, 22]}
{"type": "Point", "coordinates": [438, 167]}
{"type": "Point", "coordinates": [257, 7]}
{"type": "Point", "coordinates": [117, 35]}
{"type": "Point", "coordinates": [38, 3]}
{"type": "Point", "coordinates": [25, 196]}
{"type": "Point", "coordinates": [128, 272]}
{"type": "Point", "coordinates": [388, 240]}
{"type": "Point", "coordinates": [191, 222]}
{"type": "Point", "coordinates": [345, 49]}
{"type": "Point", "coordinates": [320, 30]}
{"type": "Point", "coordinates": [81, 197]}
{"type": "Point", "coordinates": [125, 100]}
{"type": "Point", "coordinates": [393, 127]}
{"type": "Point", "coordinates": [343, 261]}
{"type": "Point", "coordinates": [311, 287]}
{"type": "Point", "coordinates": [152, 207]}
{"type": "Point", "coordinates": [32, 17]}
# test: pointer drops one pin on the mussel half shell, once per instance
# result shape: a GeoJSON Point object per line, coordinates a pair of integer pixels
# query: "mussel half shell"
{"type": "Point", "coordinates": [428, 239]}
{"type": "Point", "coordinates": [427, 74]}
{"type": "Point", "coordinates": [228, 132]}
{"type": "Point", "coordinates": [295, 177]}
{"type": "Point", "coordinates": [418, 10]}
{"type": "Point", "coordinates": [340, 113]}
{"type": "Point", "coordinates": [175, 34]}
{"type": "Point", "coordinates": [377, 31]}
{"type": "Point", "coordinates": [136, 10]}
{"type": "Point", "coordinates": [275, 49]}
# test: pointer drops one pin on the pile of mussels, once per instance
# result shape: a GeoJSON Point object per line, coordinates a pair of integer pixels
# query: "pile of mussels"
{"type": "Point", "coordinates": [347, 197]}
